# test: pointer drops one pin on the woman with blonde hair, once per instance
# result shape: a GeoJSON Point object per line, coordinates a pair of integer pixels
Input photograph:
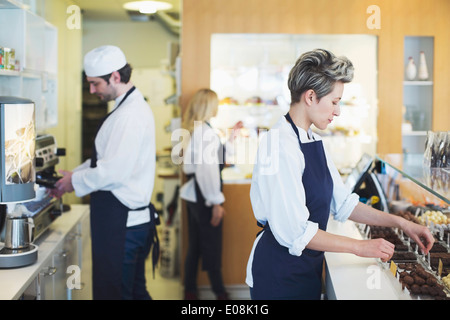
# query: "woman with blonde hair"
{"type": "Point", "coordinates": [203, 161]}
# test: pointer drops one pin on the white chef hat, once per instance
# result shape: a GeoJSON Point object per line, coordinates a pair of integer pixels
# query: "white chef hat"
{"type": "Point", "coordinates": [103, 60]}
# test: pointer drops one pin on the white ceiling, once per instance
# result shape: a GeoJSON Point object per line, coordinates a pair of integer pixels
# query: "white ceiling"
{"type": "Point", "coordinates": [111, 9]}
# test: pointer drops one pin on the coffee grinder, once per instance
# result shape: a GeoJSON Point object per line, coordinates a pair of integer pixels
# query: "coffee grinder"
{"type": "Point", "coordinates": [17, 181]}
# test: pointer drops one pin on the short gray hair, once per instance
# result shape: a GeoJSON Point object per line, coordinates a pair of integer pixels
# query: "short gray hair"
{"type": "Point", "coordinates": [318, 70]}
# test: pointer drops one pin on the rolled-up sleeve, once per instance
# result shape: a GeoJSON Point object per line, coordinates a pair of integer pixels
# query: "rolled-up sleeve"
{"type": "Point", "coordinates": [343, 201]}
{"type": "Point", "coordinates": [277, 193]}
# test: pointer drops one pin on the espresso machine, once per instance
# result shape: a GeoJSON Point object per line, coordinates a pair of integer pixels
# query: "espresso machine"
{"type": "Point", "coordinates": [27, 172]}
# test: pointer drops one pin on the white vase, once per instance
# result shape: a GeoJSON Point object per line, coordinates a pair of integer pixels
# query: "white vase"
{"type": "Point", "coordinates": [411, 69]}
{"type": "Point", "coordinates": [423, 70]}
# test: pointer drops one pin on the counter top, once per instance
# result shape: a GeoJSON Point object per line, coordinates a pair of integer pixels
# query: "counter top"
{"type": "Point", "coordinates": [15, 281]}
{"type": "Point", "coordinates": [349, 277]}
{"type": "Point", "coordinates": [236, 175]}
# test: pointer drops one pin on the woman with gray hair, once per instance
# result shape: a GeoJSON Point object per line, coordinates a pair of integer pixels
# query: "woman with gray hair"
{"type": "Point", "coordinates": [293, 200]}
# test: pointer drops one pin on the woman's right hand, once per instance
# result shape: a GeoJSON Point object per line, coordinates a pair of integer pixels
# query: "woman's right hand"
{"type": "Point", "coordinates": [217, 214]}
{"type": "Point", "coordinates": [375, 248]}
{"type": "Point", "coordinates": [235, 130]}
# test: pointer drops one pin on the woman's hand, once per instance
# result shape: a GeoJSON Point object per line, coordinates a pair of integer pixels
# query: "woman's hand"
{"type": "Point", "coordinates": [375, 248]}
{"type": "Point", "coordinates": [235, 130]}
{"type": "Point", "coordinates": [420, 234]}
{"type": "Point", "coordinates": [217, 214]}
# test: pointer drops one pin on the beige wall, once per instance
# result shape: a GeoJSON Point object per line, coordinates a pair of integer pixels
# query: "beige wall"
{"type": "Point", "coordinates": [68, 130]}
{"type": "Point", "coordinates": [399, 18]}
{"type": "Point", "coordinates": [144, 43]}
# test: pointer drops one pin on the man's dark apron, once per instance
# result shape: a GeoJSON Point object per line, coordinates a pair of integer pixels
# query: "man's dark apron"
{"type": "Point", "coordinates": [200, 215]}
{"type": "Point", "coordinates": [108, 229]}
{"type": "Point", "coordinates": [276, 273]}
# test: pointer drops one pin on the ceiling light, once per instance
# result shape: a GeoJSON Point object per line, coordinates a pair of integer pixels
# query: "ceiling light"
{"type": "Point", "coordinates": [147, 7]}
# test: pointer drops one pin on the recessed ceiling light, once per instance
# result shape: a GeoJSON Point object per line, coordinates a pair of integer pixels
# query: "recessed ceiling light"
{"type": "Point", "coordinates": [147, 7]}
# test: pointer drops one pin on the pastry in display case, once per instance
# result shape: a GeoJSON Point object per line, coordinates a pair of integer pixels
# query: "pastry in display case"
{"type": "Point", "coordinates": [249, 72]}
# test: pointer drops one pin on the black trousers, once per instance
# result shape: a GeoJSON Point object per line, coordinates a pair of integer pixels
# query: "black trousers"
{"type": "Point", "coordinates": [205, 243]}
{"type": "Point", "coordinates": [118, 252]}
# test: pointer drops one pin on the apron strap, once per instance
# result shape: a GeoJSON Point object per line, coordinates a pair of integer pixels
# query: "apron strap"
{"type": "Point", "coordinates": [294, 127]}
{"type": "Point", "coordinates": [155, 240]}
{"type": "Point", "coordinates": [154, 221]}
{"type": "Point", "coordinates": [263, 227]}
{"type": "Point", "coordinates": [94, 149]}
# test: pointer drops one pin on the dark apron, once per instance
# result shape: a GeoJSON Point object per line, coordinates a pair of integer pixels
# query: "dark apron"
{"type": "Point", "coordinates": [199, 220]}
{"type": "Point", "coordinates": [276, 273]}
{"type": "Point", "coordinates": [108, 229]}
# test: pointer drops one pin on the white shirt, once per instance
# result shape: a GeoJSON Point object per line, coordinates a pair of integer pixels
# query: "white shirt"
{"type": "Point", "coordinates": [277, 193]}
{"type": "Point", "coordinates": [201, 158]}
{"type": "Point", "coordinates": [126, 157]}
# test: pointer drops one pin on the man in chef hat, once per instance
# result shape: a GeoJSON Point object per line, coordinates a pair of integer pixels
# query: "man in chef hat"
{"type": "Point", "coordinates": [119, 178]}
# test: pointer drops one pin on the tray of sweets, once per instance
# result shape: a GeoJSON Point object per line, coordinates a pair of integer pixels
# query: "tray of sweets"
{"type": "Point", "coordinates": [414, 272]}
{"type": "Point", "coordinates": [421, 283]}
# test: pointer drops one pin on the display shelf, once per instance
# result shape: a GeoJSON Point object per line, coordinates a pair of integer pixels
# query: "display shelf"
{"type": "Point", "coordinates": [10, 4]}
{"type": "Point", "coordinates": [255, 67]}
{"type": "Point", "coordinates": [253, 116]}
{"type": "Point", "coordinates": [418, 83]}
{"type": "Point", "coordinates": [415, 133]}
{"type": "Point", "coordinates": [35, 42]}
{"type": "Point", "coordinates": [11, 73]}
{"type": "Point", "coordinates": [417, 93]}
{"type": "Point", "coordinates": [434, 180]}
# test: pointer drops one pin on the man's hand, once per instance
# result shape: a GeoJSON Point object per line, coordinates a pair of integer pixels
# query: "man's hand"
{"type": "Point", "coordinates": [63, 185]}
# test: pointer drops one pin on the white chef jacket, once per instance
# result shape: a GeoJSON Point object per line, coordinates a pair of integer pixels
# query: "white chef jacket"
{"type": "Point", "coordinates": [126, 157]}
{"type": "Point", "coordinates": [201, 158]}
{"type": "Point", "coordinates": [277, 193]}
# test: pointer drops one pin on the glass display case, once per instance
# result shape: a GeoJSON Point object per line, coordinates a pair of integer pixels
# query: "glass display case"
{"type": "Point", "coordinates": [418, 182]}
{"type": "Point", "coordinates": [417, 193]}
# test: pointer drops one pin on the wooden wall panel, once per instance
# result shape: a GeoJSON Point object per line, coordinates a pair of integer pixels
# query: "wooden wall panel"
{"type": "Point", "coordinates": [441, 114]}
{"type": "Point", "coordinates": [399, 18]}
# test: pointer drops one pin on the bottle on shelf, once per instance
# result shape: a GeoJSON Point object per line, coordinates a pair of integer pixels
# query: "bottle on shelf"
{"type": "Point", "coordinates": [423, 70]}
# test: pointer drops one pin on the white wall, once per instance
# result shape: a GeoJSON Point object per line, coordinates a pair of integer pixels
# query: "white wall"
{"type": "Point", "coordinates": [68, 130]}
{"type": "Point", "coordinates": [144, 43]}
